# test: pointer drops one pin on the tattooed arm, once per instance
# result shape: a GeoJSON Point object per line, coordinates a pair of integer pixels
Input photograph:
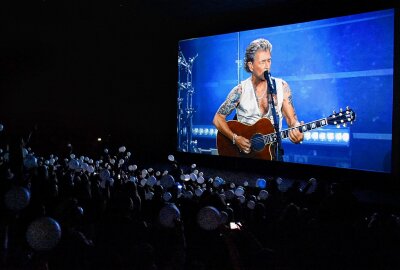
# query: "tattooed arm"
{"type": "Point", "coordinates": [290, 115]}
{"type": "Point", "coordinates": [224, 110]}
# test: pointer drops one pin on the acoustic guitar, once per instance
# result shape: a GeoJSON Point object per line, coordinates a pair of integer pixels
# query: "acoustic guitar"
{"type": "Point", "coordinates": [263, 137]}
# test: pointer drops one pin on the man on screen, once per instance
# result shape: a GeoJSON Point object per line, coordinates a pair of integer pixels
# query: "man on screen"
{"type": "Point", "coordinates": [252, 99]}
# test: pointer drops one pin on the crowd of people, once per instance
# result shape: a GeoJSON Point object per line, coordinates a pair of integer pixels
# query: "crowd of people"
{"type": "Point", "coordinates": [106, 212]}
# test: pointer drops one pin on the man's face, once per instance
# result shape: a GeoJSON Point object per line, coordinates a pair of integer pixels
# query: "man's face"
{"type": "Point", "coordinates": [261, 63]}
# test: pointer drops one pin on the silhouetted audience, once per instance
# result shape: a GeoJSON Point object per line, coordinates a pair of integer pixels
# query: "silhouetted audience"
{"type": "Point", "coordinates": [110, 214]}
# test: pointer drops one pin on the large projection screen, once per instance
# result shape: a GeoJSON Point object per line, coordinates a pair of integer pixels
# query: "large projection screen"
{"type": "Point", "coordinates": [329, 64]}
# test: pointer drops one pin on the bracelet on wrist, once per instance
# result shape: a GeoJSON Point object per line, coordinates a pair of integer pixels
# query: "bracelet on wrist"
{"type": "Point", "coordinates": [234, 138]}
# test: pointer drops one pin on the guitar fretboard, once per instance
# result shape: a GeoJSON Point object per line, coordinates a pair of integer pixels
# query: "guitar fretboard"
{"type": "Point", "coordinates": [272, 137]}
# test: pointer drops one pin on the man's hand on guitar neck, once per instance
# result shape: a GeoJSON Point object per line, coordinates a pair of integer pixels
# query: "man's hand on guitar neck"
{"type": "Point", "coordinates": [295, 136]}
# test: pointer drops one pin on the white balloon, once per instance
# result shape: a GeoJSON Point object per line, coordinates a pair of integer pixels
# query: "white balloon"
{"type": "Point", "coordinates": [251, 204]}
{"type": "Point", "coordinates": [167, 196]}
{"type": "Point", "coordinates": [200, 180]}
{"type": "Point", "coordinates": [90, 169]}
{"type": "Point", "coordinates": [261, 183]}
{"type": "Point", "coordinates": [143, 182]}
{"type": "Point", "coordinates": [30, 161]}
{"type": "Point", "coordinates": [224, 217]}
{"type": "Point", "coordinates": [229, 194]}
{"type": "Point", "coordinates": [263, 195]}
{"type": "Point", "coordinates": [171, 158]}
{"type": "Point", "coordinates": [218, 181]}
{"type": "Point", "coordinates": [167, 181]}
{"type": "Point", "coordinates": [17, 198]}
{"type": "Point", "coordinates": [241, 198]}
{"type": "Point", "coordinates": [168, 215]}
{"type": "Point", "coordinates": [209, 218]}
{"type": "Point", "coordinates": [43, 234]}
{"type": "Point", "coordinates": [149, 195]}
{"type": "Point", "coordinates": [151, 181]}
{"type": "Point", "coordinates": [189, 194]}
{"type": "Point", "coordinates": [279, 180]}
{"type": "Point", "coordinates": [24, 152]}
{"type": "Point", "coordinates": [105, 174]}
{"type": "Point", "coordinates": [239, 191]}
{"type": "Point", "coordinates": [198, 191]}
{"type": "Point", "coordinates": [74, 164]}
{"type": "Point", "coordinates": [193, 177]}
{"type": "Point", "coordinates": [85, 166]}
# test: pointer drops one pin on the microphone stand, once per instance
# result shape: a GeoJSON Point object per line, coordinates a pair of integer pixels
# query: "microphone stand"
{"type": "Point", "coordinates": [279, 149]}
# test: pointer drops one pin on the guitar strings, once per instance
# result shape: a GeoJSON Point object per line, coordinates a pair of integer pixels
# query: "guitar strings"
{"type": "Point", "coordinates": [261, 139]}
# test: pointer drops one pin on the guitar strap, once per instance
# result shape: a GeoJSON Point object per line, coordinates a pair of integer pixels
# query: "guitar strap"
{"type": "Point", "coordinates": [278, 149]}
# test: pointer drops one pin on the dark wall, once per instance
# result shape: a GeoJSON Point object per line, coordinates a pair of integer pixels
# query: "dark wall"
{"type": "Point", "coordinates": [81, 70]}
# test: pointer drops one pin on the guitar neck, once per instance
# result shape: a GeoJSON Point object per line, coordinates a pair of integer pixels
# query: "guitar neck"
{"type": "Point", "coordinates": [272, 138]}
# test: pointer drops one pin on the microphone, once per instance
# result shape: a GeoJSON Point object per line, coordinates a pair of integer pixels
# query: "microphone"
{"type": "Point", "coordinates": [268, 78]}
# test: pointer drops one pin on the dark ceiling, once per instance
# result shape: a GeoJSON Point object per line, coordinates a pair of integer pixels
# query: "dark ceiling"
{"type": "Point", "coordinates": [82, 68]}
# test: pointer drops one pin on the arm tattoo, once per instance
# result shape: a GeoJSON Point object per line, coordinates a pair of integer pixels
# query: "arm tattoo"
{"type": "Point", "coordinates": [231, 102]}
{"type": "Point", "coordinates": [288, 92]}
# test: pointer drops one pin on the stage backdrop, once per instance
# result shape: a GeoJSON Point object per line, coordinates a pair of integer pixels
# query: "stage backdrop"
{"type": "Point", "coordinates": [329, 64]}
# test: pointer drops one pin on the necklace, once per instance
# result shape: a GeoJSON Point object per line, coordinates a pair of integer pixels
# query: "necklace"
{"type": "Point", "coordinates": [260, 97]}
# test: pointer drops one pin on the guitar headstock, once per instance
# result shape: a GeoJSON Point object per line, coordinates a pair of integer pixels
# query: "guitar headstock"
{"type": "Point", "coordinates": [342, 117]}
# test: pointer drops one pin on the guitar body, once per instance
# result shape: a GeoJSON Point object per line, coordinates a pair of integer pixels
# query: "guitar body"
{"type": "Point", "coordinates": [263, 137]}
{"type": "Point", "coordinates": [261, 127]}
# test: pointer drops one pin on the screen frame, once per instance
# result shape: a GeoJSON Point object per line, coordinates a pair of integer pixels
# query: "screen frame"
{"type": "Point", "coordinates": [296, 14]}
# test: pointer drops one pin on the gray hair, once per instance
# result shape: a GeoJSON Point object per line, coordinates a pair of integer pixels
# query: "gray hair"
{"type": "Point", "coordinates": [254, 46]}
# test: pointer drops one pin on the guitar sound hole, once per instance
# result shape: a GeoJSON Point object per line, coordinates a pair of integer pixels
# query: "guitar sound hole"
{"type": "Point", "coordinates": [257, 142]}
